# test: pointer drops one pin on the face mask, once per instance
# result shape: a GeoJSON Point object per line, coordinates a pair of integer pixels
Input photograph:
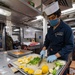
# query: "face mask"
{"type": "Point", "coordinates": [53, 22]}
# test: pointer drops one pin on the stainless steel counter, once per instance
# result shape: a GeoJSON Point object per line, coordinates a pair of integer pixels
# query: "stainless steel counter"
{"type": "Point", "coordinates": [4, 61]}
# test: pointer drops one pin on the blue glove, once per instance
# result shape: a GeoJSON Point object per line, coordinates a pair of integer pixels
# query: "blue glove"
{"type": "Point", "coordinates": [42, 53]}
{"type": "Point", "coordinates": [51, 58]}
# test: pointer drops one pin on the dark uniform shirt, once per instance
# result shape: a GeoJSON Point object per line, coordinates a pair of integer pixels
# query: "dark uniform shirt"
{"type": "Point", "coordinates": [59, 40]}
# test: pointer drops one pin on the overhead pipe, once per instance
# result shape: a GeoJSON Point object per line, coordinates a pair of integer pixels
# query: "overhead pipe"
{"type": "Point", "coordinates": [41, 5]}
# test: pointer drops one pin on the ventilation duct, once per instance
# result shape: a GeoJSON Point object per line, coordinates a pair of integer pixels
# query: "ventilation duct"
{"type": "Point", "coordinates": [64, 4]}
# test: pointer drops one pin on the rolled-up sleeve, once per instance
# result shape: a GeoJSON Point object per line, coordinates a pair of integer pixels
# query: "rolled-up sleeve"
{"type": "Point", "coordinates": [46, 42]}
{"type": "Point", "coordinates": [68, 43]}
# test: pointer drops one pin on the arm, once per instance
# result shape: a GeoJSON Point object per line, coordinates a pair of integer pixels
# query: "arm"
{"type": "Point", "coordinates": [68, 47]}
{"type": "Point", "coordinates": [46, 44]}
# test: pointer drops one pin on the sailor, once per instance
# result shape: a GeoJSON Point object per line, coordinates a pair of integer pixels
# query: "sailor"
{"type": "Point", "coordinates": [59, 38]}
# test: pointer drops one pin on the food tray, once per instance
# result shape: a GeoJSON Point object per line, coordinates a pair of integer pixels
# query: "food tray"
{"type": "Point", "coordinates": [23, 52]}
{"type": "Point", "coordinates": [51, 65]}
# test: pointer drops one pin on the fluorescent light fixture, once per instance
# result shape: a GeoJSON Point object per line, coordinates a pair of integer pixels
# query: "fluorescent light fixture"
{"type": "Point", "coordinates": [4, 12]}
{"type": "Point", "coordinates": [16, 30]}
{"type": "Point", "coordinates": [37, 18]}
{"type": "Point", "coordinates": [69, 10]}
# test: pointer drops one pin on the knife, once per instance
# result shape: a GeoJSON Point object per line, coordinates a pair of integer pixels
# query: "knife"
{"type": "Point", "coordinates": [40, 60]}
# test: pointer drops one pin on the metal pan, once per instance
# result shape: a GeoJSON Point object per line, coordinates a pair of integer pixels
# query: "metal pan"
{"type": "Point", "coordinates": [50, 65]}
{"type": "Point", "coordinates": [19, 53]}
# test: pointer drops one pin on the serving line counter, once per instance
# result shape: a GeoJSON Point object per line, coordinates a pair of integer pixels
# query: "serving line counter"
{"type": "Point", "coordinates": [5, 70]}
{"type": "Point", "coordinates": [4, 61]}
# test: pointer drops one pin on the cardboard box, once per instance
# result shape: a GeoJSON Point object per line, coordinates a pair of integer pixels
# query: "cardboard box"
{"type": "Point", "coordinates": [72, 68]}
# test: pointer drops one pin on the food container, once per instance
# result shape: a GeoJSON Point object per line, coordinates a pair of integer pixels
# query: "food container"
{"type": "Point", "coordinates": [19, 53]}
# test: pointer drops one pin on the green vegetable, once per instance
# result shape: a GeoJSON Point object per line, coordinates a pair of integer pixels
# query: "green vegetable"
{"type": "Point", "coordinates": [54, 72]}
{"type": "Point", "coordinates": [57, 63]}
{"type": "Point", "coordinates": [34, 61]}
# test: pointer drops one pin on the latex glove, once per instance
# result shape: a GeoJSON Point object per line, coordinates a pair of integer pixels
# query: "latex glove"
{"type": "Point", "coordinates": [51, 58]}
{"type": "Point", "coordinates": [42, 53]}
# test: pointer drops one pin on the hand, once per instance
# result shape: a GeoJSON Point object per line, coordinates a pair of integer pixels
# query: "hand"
{"type": "Point", "coordinates": [42, 53]}
{"type": "Point", "coordinates": [51, 58]}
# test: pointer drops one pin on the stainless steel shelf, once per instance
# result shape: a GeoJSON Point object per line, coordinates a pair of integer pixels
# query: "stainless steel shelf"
{"type": "Point", "coordinates": [31, 7]}
{"type": "Point", "coordinates": [21, 11]}
{"type": "Point", "coordinates": [22, 7]}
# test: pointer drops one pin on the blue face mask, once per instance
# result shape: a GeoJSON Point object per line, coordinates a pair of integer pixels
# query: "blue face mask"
{"type": "Point", "coordinates": [53, 22]}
